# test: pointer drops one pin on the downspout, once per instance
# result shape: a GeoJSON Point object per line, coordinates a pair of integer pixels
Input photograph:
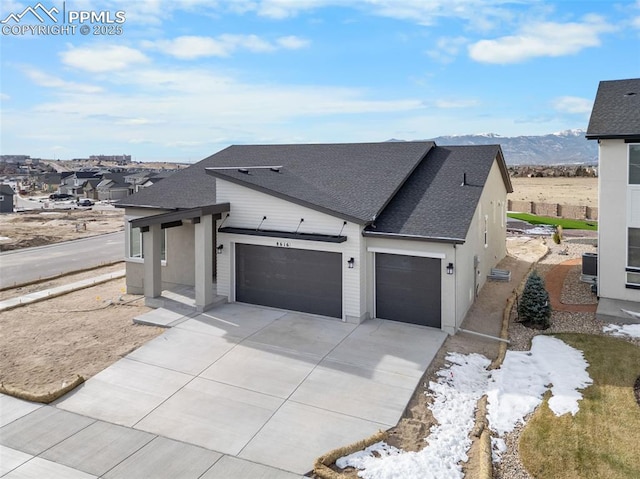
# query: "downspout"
{"type": "Point", "coordinates": [455, 288]}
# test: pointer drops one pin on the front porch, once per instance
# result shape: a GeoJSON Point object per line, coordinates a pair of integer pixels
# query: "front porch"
{"type": "Point", "coordinates": [193, 229]}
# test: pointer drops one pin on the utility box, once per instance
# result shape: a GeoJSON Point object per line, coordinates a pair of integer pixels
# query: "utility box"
{"type": "Point", "coordinates": [589, 267]}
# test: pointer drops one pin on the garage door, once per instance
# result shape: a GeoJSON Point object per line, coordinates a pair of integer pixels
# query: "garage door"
{"type": "Point", "coordinates": [295, 279]}
{"type": "Point", "coordinates": [408, 289]}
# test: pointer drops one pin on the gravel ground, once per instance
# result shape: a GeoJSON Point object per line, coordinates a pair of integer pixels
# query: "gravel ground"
{"type": "Point", "coordinates": [574, 292]}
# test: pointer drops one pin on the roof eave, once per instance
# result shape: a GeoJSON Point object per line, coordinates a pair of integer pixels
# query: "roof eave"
{"type": "Point", "coordinates": [598, 136]}
{"type": "Point", "coordinates": [434, 239]}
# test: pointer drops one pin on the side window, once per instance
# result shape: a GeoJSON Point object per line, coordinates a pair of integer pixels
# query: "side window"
{"type": "Point", "coordinates": [634, 164]}
{"type": "Point", "coordinates": [633, 251]}
{"type": "Point", "coordinates": [486, 231]}
{"type": "Point", "coordinates": [136, 244]}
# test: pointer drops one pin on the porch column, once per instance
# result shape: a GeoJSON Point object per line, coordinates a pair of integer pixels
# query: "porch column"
{"type": "Point", "coordinates": [151, 244]}
{"type": "Point", "coordinates": [204, 262]}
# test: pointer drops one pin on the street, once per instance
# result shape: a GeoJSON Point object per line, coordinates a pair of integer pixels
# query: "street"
{"type": "Point", "coordinates": [29, 264]}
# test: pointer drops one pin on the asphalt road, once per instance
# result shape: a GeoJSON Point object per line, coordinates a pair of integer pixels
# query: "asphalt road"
{"type": "Point", "coordinates": [29, 264]}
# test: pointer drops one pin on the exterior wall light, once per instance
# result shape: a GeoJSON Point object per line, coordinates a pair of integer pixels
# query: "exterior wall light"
{"type": "Point", "coordinates": [220, 248]}
{"type": "Point", "coordinates": [450, 268]}
{"type": "Point", "coordinates": [351, 263]}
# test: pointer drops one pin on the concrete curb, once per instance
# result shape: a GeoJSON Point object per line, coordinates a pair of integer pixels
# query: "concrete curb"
{"type": "Point", "coordinates": [38, 296]}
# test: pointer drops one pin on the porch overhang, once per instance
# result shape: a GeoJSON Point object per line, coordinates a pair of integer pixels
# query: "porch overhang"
{"type": "Point", "coordinates": [175, 218]}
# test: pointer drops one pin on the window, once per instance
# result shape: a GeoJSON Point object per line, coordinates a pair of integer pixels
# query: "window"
{"type": "Point", "coordinates": [634, 164]}
{"type": "Point", "coordinates": [1, 198]}
{"type": "Point", "coordinates": [486, 231]}
{"type": "Point", "coordinates": [633, 251]}
{"type": "Point", "coordinates": [136, 244]}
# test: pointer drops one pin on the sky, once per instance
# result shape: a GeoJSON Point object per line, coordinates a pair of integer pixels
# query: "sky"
{"type": "Point", "coordinates": [178, 80]}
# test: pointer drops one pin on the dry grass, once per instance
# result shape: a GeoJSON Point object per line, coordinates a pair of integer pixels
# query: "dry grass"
{"type": "Point", "coordinates": [603, 439]}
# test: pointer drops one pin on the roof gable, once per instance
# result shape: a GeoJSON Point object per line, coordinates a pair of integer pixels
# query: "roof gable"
{"type": "Point", "coordinates": [439, 200]}
{"type": "Point", "coordinates": [616, 110]}
{"type": "Point", "coordinates": [6, 189]}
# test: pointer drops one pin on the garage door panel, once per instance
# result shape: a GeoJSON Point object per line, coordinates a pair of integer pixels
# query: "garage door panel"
{"type": "Point", "coordinates": [408, 289]}
{"type": "Point", "coordinates": [288, 278]}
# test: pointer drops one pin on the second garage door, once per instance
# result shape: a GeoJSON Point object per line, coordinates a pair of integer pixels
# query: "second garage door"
{"type": "Point", "coordinates": [408, 289]}
{"type": "Point", "coordinates": [288, 278]}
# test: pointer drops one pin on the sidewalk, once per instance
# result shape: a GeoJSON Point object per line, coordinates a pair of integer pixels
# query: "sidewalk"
{"type": "Point", "coordinates": [58, 291]}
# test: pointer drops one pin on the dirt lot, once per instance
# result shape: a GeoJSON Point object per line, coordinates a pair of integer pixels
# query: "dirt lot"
{"type": "Point", "coordinates": [37, 228]}
{"type": "Point", "coordinates": [46, 345]}
{"type": "Point", "coordinates": [565, 191]}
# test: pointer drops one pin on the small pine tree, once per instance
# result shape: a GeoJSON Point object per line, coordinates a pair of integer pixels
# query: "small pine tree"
{"type": "Point", "coordinates": [534, 304]}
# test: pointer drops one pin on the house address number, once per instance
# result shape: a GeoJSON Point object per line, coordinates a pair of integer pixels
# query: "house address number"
{"type": "Point", "coordinates": [283, 244]}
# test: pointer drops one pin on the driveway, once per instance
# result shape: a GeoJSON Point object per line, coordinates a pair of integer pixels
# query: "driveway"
{"type": "Point", "coordinates": [271, 387]}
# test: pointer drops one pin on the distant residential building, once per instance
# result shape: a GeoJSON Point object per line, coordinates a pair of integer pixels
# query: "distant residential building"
{"type": "Point", "coordinates": [6, 198]}
{"type": "Point", "coordinates": [118, 159]}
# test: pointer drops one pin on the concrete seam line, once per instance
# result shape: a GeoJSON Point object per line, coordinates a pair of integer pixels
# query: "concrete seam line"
{"type": "Point", "coordinates": [41, 398]}
{"type": "Point", "coordinates": [320, 467]}
{"type": "Point", "coordinates": [61, 293]}
{"type": "Point", "coordinates": [61, 275]}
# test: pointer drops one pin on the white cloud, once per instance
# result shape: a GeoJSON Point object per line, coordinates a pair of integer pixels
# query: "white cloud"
{"type": "Point", "coordinates": [541, 40]}
{"type": "Point", "coordinates": [4, 97]}
{"type": "Point", "coordinates": [447, 104]}
{"type": "Point", "coordinates": [102, 58]}
{"type": "Point", "coordinates": [47, 80]}
{"type": "Point", "coordinates": [572, 104]}
{"type": "Point", "coordinates": [447, 48]}
{"type": "Point", "coordinates": [192, 47]}
{"type": "Point", "coordinates": [292, 42]}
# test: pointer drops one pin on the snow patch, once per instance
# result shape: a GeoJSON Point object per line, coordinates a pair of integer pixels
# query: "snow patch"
{"type": "Point", "coordinates": [631, 330]}
{"type": "Point", "coordinates": [514, 391]}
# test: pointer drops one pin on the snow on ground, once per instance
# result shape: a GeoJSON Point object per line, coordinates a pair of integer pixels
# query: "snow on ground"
{"type": "Point", "coordinates": [632, 330]}
{"type": "Point", "coordinates": [514, 391]}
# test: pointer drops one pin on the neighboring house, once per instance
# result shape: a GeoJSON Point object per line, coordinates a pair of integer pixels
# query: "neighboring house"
{"type": "Point", "coordinates": [6, 198]}
{"type": "Point", "coordinates": [112, 189]}
{"type": "Point", "coordinates": [406, 231]}
{"type": "Point", "coordinates": [615, 123]}
{"type": "Point", "coordinates": [91, 189]}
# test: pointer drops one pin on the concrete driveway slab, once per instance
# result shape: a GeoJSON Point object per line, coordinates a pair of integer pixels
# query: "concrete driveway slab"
{"type": "Point", "coordinates": [11, 459]}
{"type": "Point", "coordinates": [125, 392]}
{"type": "Point", "coordinates": [264, 370]}
{"type": "Point", "coordinates": [183, 351]}
{"type": "Point", "coordinates": [97, 448]}
{"type": "Point", "coordinates": [233, 467]}
{"type": "Point", "coordinates": [390, 346]}
{"type": "Point", "coordinates": [38, 468]}
{"type": "Point", "coordinates": [233, 321]}
{"type": "Point", "coordinates": [42, 429]}
{"type": "Point", "coordinates": [368, 394]}
{"type": "Point", "coordinates": [13, 408]}
{"type": "Point", "coordinates": [166, 459]}
{"type": "Point", "coordinates": [212, 415]}
{"type": "Point", "coordinates": [303, 334]}
{"type": "Point", "coordinates": [297, 434]}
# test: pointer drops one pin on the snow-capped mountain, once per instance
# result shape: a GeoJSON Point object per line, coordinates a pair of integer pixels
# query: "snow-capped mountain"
{"type": "Point", "coordinates": [564, 147]}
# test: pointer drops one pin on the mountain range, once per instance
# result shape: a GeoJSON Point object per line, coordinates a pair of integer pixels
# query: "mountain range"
{"type": "Point", "coordinates": [565, 147]}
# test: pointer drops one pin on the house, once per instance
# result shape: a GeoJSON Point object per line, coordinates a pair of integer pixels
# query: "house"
{"type": "Point", "coordinates": [615, 123]}
{"type": "Point", "coordinates": [406, 231]}
{"type": "Point", "coordinates": [6, 198]}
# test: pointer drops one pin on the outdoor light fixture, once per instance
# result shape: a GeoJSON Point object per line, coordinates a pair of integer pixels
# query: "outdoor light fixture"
{"type": "Point", "coordinates": [450, 268]}
{"type": "Point", "coordinates": [351, 262]}
{"type": "Point", "coordinates": [220, 248]}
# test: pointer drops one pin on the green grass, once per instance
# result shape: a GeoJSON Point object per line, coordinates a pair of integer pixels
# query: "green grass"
{"type": "Point", "coordinates": [603, 439]}
{"type": "Point", "coordinates": [547, 220]}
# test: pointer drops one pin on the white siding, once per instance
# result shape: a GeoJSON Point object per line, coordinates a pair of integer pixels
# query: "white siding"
{"type": "Point", "coordinates": [249, 207]}
{"type": "Point", "coordinates": [615, 214]}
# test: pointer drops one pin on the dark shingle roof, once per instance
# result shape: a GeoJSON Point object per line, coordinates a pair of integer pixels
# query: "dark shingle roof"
{"type": "Point", "coordinates": [433, 203]}
{"type": "Point", "coordinates": [6, 190]}
{"type": "Point", "coordinates": [404, 188]}
{"type": "Point", "coordinates": [351, 180]}
{"type": "Point", "coordinates": [616, 110]}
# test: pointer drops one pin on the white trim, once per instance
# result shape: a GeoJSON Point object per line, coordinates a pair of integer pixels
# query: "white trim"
{"type": "Point", "coordinates": [404, 252]}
